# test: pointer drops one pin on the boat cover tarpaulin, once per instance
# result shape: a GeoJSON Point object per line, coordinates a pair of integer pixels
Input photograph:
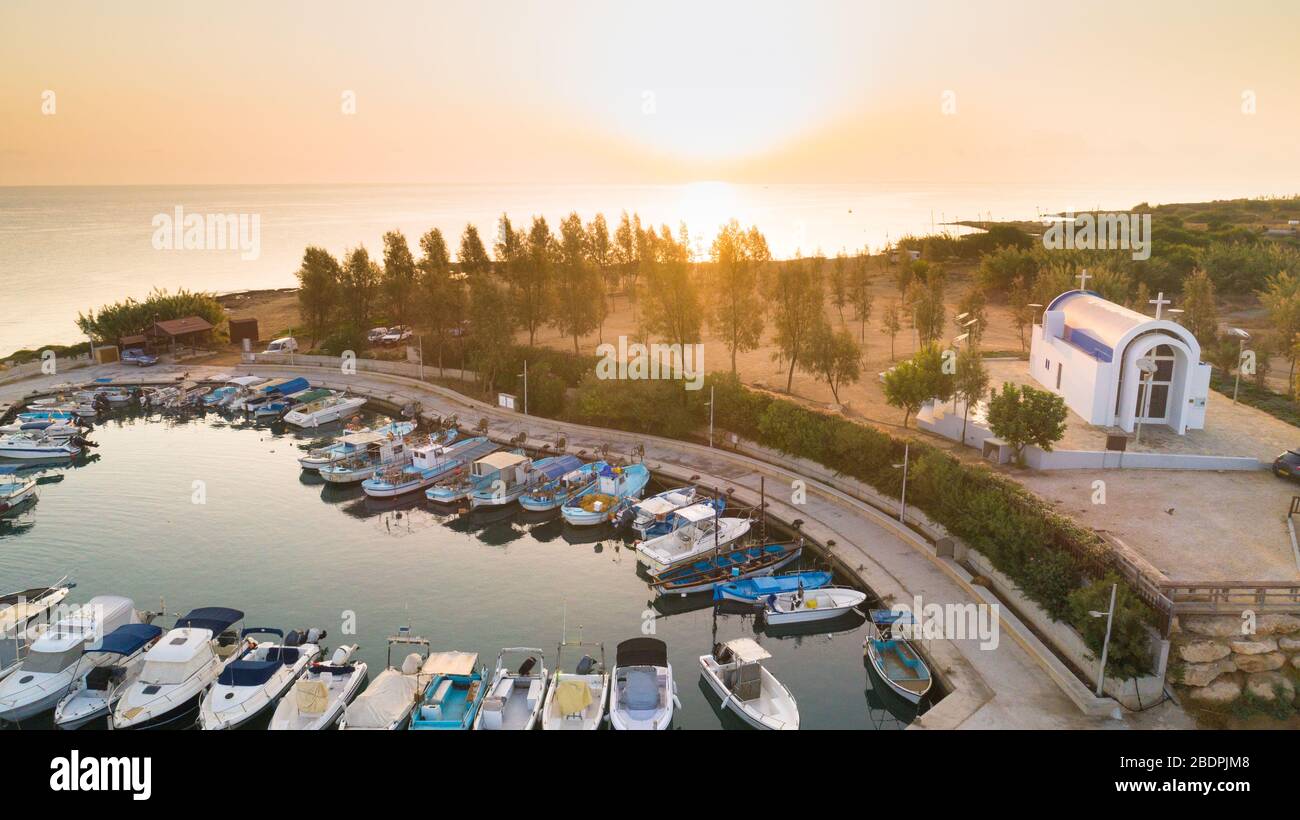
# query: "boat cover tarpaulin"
{"type": "Point", "coordinates": [754, 588]}
{"type": "Point", "coordinates": [384, 701]}
{"type": "Point", "coordinates": [747, 650]}
{"type": "Point", "coordinates": [450, 663]}
{"type": "Point", "coordinates": [572, 696]}
{"type": "Point", "coordinates": [312, 696]}
{"type": "Point", "coordinates": [247, 673]}
{"type": "Point", "coordinates": [216, 619]}
{"type": "Point", "coordinates": [556, 467]}
{"type": "Point", "coordinates": [127, 639]}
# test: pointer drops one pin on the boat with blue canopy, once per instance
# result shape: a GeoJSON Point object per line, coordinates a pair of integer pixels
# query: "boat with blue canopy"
{"type": "Point", "coordinates": [508, 479]}
{"type": "Point", "coordinates": [895, 660]}
{"type": "Point", "coordinates": [556, 492]}
{"type": "Point", "coordinates": [259, 676]}
{"type": "Point", "coordinates": [754, 590]}
{"type": "Point", "coordinates": [93, 694]}
{"type": "Point", "coordinates": [617, 488]}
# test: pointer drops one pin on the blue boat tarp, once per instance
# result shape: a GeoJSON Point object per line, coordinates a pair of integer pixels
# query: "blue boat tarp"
{"type": "Point", "coordinates": [753, 589]}
{"type": "Point", "coordinates": [247, 673]}
{"type": "Point", "coordinates": [557, 466]}
{"type": "Point", "coordinates": [214, 618]}
{"type": "Point", "coordinates": [9, 469]}
{"type": "Point", "coordinates": [891, 616]}
{"type": "Point", "coordinates": [127, 639]}
{"type": "Point", "coordinates": [290, 387]}
{"type": "Point", "coordinates": [261, 630]}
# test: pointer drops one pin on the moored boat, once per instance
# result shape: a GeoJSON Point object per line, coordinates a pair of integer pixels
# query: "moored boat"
{"type": "Point", "coordinates": [351, 443]}
{"type": "Point", "coordinates": [319, 697]}
{"type": "Point", "coordinates": [650, 516]}
{"type": "Point", "coordinates": [895, 660]}
{"type": "Point", "coordinates": [260, 675]}
{"type": "Point", "coordinates": [455, 690]}
{"type": "Point", "coordinates": [514, 698]}
{"type": "Point", "coordinates": [22, 614]}
{"type": "Point", "coordinates": [643, 694]}
{"type": "Point", "coordinates": [577, 700]}
{"type": "Point", "coordinates": [501, 479]}
{"type": "Point", "coordinates": [818, 604]}
{"type": "Point", "coordinates": [735, 565]}
{"type": "Point", "coordinates": [734, 670]}
{"type": "Point", "coordinates": [38, 445]}
{"type": "Point", "coordinates": [15, 490]}
{"type": "Point", "coordinates": [387, 703]}
{"type": "Point", "coordinates": [693, 532]}
{"type": "Point", "coordinates": [555, 493]}
{"type": "Point", "coordinates": [617, 488]}
{"type": "Point", "coordinates": [96, 691]}
{"type": "Point", "coordinates": [429, 463]}
{"type": "Point", "coordinates": [324, 410]}
{"type": "Point", "coordinates": [372, 452]}
{"type": "Point", "coordinates": [754, 590]}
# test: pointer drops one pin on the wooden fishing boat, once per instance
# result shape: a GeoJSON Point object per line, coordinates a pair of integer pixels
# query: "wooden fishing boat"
{"type": "Point", "coordinates": [736, 565]}
{"type": "Point", "coordinates": [895, 660]}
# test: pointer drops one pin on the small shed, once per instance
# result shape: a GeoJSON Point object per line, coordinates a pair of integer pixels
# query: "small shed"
{"type": "Point", "coordinates": [191, 331]}
{"type": "Point", "coordinates": [241, 329]}
{"type": "Point", "coordinates": [129, 342]}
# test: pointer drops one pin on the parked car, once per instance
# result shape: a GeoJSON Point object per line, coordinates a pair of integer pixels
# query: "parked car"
{"type": "Point", "coordinates": [287, 344]}
{"type": "Point", "coordinates": [396, 335]}
{"type": "Point", "coordinates": [376, 334]}
{"type": "Point", "coordinates": [138, 357]}
{"type": "Point", "coordinates": [1287, 465]}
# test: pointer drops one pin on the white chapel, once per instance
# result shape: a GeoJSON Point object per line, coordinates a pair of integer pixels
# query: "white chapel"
{"type": "Point", "coordinates": [1100, 358]}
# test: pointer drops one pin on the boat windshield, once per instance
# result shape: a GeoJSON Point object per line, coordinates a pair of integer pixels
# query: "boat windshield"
{"type": "Point", "coordinates": [50, 662]}
{"type": "Point", "coordinates": [164, 673]}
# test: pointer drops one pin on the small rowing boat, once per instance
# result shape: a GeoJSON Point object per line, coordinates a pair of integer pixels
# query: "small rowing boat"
{"type": "Point", "coordinates": [820, 604]}
{"type": "Point", "coordinates": [754, 590]}
{"type": "Point", "coordinates": [736, 565]}
{"type": "Point", "coordinates": [895, 660]}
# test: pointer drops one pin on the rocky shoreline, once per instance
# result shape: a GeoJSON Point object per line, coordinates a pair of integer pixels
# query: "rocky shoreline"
{"type": "Point", "coordinates": [1223, 666]}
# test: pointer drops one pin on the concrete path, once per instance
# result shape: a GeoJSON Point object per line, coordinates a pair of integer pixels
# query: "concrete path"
{"type": "Point", "coordinates": [1003, 687]}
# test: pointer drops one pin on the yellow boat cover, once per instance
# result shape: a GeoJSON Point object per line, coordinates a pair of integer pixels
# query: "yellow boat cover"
{"type": "Point", "coordinates": [572, 696]}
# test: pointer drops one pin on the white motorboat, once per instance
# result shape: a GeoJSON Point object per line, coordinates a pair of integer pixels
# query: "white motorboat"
{"type": "Point", "coordinates": [515, 696]}
{"type": "Point", "coordinates": [319, 697]}
{"type": "Point", "coordinates": [695, 531]}
{"type": "Point", "coordinates": [23, 615]}
{"type": "Point", "coordinates": [387, 703]}
{"type": "Point", "coordinates": [94, 693]}
{"type": "Point", "coordinates": [819, 604]}
{"type": "Point", "coordinates": [38, 446]}
{"type": "Point", "coordinates": [259, 677]}
{"type": "Point", "coordinates": [642, 690]}
{"type": "Point", "coordinates": [351, 443]}
{"type": "Point", "coordinates": [15, 490]}
{"type": "Point", "coordinates": [57, 658]}
{"type": "Point", "coordinates": [178, 669]}
{"type": "Point", "coordinates": [577, 700]}
{"type": "Point", "coordinates": [325, 410]}
{"type": "Point", "coordinates": [650, 516]}
{"type": "Point", "coordinates": [735, 672]}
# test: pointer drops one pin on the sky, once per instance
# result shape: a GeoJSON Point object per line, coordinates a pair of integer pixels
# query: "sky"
{"type": "Point", "coordinates": [666, 92]}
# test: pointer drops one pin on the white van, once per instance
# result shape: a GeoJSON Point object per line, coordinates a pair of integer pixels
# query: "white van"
{"type": "Point", "coordinates": [286, 345]}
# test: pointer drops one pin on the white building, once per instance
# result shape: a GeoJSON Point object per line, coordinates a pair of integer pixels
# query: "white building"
{"type": "Point", "coordinates": [1086, 350]}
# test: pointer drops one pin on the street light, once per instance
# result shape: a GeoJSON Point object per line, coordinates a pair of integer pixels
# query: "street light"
{"type": "Point", "coordinates": [1242, 338]}
{"type": "Point", "coordinates": [1109, 615]}
{"type": "Point", "coordinates": [902, 501]}
{"type": "Point", "coordinates": [710, 404]}
{"type": "Point", "coordinates": [525, 375]}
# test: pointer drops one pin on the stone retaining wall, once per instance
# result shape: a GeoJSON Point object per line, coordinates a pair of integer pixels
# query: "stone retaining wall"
{"type": "Point", "coordinates": [1217, 665]}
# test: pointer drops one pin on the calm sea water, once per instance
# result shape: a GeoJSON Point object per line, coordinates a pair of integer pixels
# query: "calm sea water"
{"type": "Point", "coordinates": [291, 552]}
{"type": "Point", "coordinates": [64, 250]}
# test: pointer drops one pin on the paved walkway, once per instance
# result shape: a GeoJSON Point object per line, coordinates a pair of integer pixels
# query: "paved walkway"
{"type": "Point", "coordinates": [1006, 687]}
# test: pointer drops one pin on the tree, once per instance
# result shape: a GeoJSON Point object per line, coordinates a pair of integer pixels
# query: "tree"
{"type": "Point", "coordinates": [970, 382]}
{"type": "Point", "coordinates": [834, 357]}
{"type": "Point", "coordinates": [531, 280]}
{"type": "Point", "coordinates": [1021, 416]}
{"type": "Point", "coordinates": [1001, 270]}
{"type": "Point", "coordinates": [913, 382]}
{"type": "Point", "coordinates": [840, 283]}
{"type": "Point", "coordinates": [508, 249]}
{"type": "Point", "coordinates": [359, 287]}
{"type": "Point", "coordinates": [600, 253]}
{"type": "Point", "coordinates": [472, 256]}
{"type": "Point", "coordinates": [891, 324]}
{"type": "Point", "coordinates": [441, 298]}
{"type": "Point", "coordinates": [1281, 298]}
{"type": "Point", "coordinates": [1022, 315]}
{"type": "Point", "coordinates": [491, 344]}
{"type": "Point", "coordinates": [795, 293]}
{"type": "Point", "coordinates": [973, 306]}
{"type": "Point", "coordinates": [860, 293]}
{"type": "Point", "coordinates": [736, 311]}
{"type": "Point", "coordinates": [1200, 314]}
{"type": "Point", "coordinates": [928, 314]}
{"type": "Point", "coordinates": [578, 294]}
{"type": "Point", "coordinates": [399, 275]}
{"type": "Point", "coordinates": [318, 290]}
{"type": "Point", "coordinates": [1114, 285]}
{"type": "Point", "coordinates": [624, 253]}
{"type": "Point", "coordinates": [670, 297]}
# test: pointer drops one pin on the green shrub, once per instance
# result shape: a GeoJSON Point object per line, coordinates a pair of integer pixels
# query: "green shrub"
{"type": "Point", "coordinates": [1130, 643]}
{"type": "Point", "coordinates": [344, 337]}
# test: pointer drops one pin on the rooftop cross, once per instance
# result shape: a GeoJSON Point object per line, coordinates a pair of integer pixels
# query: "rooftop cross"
{"type": "Point", "coordinates": [1160, 301]}
{"type": "Point", "coordinates": [1083, 279]}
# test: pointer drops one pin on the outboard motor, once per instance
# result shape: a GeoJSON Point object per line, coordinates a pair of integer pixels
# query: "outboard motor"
{"type": "Point", "coordinates": [527, 666]}
{"type": "Point", "coordinates": [315, 635]}
{"type": "Point", "coordinates": [587, 665]}
{"type": "Point", "coordinates": [721, 653]}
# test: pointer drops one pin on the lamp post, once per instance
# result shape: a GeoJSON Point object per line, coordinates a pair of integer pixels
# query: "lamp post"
{"type": "Point", "coordinates": [1242, 338]}
{"type": "Point", "coordinates": [710, 403]}
{"type": "Point", "coordinates": [902, 501]}
{"type": "Point", "coordinates": [525, 375]}
{"type": "Point", "coordinates": [1109, 615]}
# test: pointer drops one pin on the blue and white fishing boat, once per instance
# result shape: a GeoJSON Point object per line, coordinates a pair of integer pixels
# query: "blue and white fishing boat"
{"type": "Point", "coordinates": [68, 416]}
{"type": "Point", "coordinates": [274, 390]}
{"type": "Point", "coordinates": [510, 479]}
{"type": "Point", "coordinates": [754, 590]}
{"type": "Point", "coordinates": [429, 463]}
{"type": "Point", "coordinates": [693, 532]}
{"type": "Point", "coordinates": [482, 474]}
{"type": "Point", "coordinates": [650, 516]}
{"type": "Point", "coordinates": [379, 452]}
{"type": "Point", "coordinates": [555, 493]}
{"type": "Point", "coordinates": [276, 408]}
{"type": "Point", "coordinates": [617, 488]}
{"type": "Point", "coordinates": [353, 442]}
{"type": "Point", "coordinates": [453, 695]}
{"type": "Point", "coordinates": [220, 396]}
{"type": "Point", "coordinates": [895, 660]}
{"type": "Point", "coordinates": [15, 490]}
{"type": "Point", "coordinates": [727, 567]}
